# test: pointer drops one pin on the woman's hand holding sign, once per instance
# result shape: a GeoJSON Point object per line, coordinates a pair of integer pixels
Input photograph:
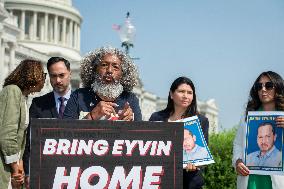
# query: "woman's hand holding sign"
{"type": "Point", "coordinates": [241, 168]}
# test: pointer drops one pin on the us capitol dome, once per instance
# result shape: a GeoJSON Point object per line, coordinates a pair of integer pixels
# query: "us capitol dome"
{"type": "Point", "coordinates": [49, 26]}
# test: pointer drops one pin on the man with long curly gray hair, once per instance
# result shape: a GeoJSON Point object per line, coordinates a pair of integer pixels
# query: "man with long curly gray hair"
{"type": "Point", "coordinates": [108, 76]}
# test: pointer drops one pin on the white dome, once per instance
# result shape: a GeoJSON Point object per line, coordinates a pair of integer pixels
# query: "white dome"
{"type": "Point", "coordinates": [51, 6]}
{"type": "Point", "coordinates": [64, 2]}
{"type": "Point", "coordinates": [49, 26]}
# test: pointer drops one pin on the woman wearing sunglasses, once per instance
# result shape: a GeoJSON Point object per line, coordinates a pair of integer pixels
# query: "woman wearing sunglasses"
{"type": "Point", "coordinates": [266, 94]}
{"type": "Point", "coordinates": [182, 103]}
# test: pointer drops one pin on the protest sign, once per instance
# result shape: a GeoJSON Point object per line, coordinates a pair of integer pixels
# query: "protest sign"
{"type": "Point", "coordinates": [105, 154]}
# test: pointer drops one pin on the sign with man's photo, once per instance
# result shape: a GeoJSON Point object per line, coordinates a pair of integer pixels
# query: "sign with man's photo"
{"type": "Point", "coordinates": [105, 154]}
{"type": "Point", "coordinates": [264, 143]}
{"type": "Point", "coordinates": [195, 149]}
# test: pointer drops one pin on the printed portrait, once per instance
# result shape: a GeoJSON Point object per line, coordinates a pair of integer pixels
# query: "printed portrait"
{"type": "Point", "coordinates": [195, 149]}
{"type": "Point", "coordinates": [264, 143]}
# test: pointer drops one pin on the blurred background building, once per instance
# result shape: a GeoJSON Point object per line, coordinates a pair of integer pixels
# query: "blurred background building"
{"type": "Point", "coordinates": [40, 29]}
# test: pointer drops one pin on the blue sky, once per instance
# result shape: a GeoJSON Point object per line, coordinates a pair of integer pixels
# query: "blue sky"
{"type": "Point", "coordinates": [222, 45]}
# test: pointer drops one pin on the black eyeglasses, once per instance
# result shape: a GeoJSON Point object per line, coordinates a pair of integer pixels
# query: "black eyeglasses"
{"type": "Point", "coordinates": [268, 86]}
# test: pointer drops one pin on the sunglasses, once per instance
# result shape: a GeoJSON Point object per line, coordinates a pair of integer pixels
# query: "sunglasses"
{"type": "Point", "coordinates": [268, 86]}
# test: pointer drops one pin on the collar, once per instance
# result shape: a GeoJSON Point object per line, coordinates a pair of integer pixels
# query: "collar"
{"type": "Point", "coordinates": [66, 96]}
{"type": "Point", "coordinates": [268, 154]}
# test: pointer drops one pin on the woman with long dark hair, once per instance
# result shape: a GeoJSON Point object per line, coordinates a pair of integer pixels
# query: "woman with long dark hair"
{"type": "Point", "coordinates": [266, 94]}
{"type": "Point", "coordinates": [28, 77]}
{"type": "Point", "coordinates": [182, 103]}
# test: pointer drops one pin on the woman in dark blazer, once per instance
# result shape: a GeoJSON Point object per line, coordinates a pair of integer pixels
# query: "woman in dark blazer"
{"type": "Point", "coordinates": [182, 103]}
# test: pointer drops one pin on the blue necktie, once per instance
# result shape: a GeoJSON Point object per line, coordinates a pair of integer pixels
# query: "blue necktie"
{"type": "Point", "coordinates": [61, 107]}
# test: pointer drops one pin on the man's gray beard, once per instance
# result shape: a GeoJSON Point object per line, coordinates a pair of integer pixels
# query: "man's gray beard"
{"type": "Point", "coordinates": [106, 90]}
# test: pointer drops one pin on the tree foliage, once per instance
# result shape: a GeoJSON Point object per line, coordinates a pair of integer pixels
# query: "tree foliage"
{"type": "Point", "coordinates": [221, 174]}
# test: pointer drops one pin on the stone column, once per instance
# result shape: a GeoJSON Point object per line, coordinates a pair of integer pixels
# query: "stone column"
{"type": "Point", "coordinates": [22, 24]}
{"type": "Point", "coordinates": [64, 31]}
{"type": "Point", "coordinates": [42, 29]}
{"type": "Point", "coordinates": [75, 35]}
{"type": "Point", "coordinates": [45, 27]}
{"type": "Point", "coordinates": [50, 30]}
{"type": "Point", "coordinates": [79, 38]}
{"type": "Point", "coordinates": [12, 47]}
{"type": "Point", "coordinates": [34, 26]}
{"type": "Point", "coordinates": [55, 29]}
{"type": "Point", "coordinates": [30, 26]}
{"type": "Point", "coordinates": [71, 34]}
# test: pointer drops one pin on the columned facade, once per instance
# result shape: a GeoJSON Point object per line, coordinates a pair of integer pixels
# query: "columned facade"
{"type": "Point", "coordinates": [51, 27]}
{"type": "Point", "coordinates": [64, 32]}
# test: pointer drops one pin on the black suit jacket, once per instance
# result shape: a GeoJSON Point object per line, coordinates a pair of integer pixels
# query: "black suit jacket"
{"type": "Point", "coordinates": [41, 107]}
{"type": "Point", "coordinates": [44, 107]}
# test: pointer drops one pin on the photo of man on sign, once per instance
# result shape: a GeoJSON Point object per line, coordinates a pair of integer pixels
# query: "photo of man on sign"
{"type": "Point", "coordinates": [191, 150]}
{"type": "Point", "coordinates": [267, 155]}
{"type": "Point", "coordinates": [195, 149]}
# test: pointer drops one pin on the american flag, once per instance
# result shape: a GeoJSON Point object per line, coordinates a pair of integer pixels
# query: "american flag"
{"type": "Point", "coordinates": [116, 27]}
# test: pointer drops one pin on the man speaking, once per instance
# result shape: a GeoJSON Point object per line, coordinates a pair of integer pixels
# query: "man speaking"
{"type": "Point", "coordinates": [108, 76]}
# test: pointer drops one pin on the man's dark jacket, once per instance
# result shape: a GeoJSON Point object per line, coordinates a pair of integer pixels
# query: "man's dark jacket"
{"type": "Point", "coordinates": [41, 107]}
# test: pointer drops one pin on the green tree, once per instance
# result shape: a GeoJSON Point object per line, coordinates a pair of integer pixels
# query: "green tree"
{"type": "Point", "coordinates": [221, 174]}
